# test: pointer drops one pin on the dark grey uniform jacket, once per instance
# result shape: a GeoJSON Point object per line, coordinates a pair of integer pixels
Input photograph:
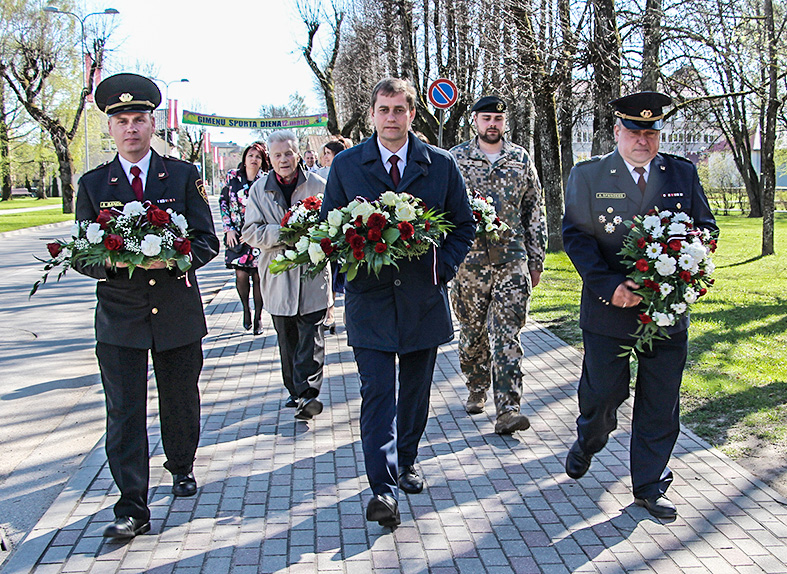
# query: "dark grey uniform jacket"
{"type": "Point", "coordinates": [598, 191]}
{"type": "Point", "coordinates": [155, 309]}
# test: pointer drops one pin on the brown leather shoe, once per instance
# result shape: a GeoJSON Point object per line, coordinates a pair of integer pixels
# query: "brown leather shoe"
{"type": "Point", "coordinates": [475, 402]}
{"type": "Point", "coordinates": [510, 422]}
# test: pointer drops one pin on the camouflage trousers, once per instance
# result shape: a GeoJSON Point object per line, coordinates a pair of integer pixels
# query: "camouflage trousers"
{"type": "Point", "coordinates": [491, 304]}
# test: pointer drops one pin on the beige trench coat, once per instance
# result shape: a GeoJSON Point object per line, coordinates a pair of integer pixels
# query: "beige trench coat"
{"type": "Point", "coordinates": [285, 294]}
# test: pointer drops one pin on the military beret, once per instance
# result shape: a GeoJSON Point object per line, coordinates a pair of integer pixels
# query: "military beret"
{"type": "Point", "coordinates": [489, 104]}
{"type": "Point", "coordinates": [641, 111]}
{"type": "Point", "coordinates": [127, 93]}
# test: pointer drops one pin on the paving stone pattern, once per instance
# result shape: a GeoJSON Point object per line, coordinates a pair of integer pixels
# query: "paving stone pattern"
{"type": "Point", "coordinates": [279, 495]}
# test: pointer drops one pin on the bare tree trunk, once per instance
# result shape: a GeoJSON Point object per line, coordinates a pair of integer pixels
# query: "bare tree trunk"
{"type": "Point", "coordinates": [768, 166]}
{"type": "Point", "coordinates": [605, 58]}
{"type": "Point", "coordinates": [63, 153]}
{"type": "Point", "coordinates": [651, 32]}
{"type": "Point", "coordinates": [5, 158]}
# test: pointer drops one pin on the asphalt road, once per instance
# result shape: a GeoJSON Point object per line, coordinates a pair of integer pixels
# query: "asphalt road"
{"type": "Point", "coordinates": [51, 400]}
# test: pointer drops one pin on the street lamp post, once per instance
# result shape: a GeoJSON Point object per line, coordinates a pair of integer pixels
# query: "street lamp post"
{"type": "Point", "coordinates": [107, 11]}
{"type": "Point", "coordinates": [166, 96]}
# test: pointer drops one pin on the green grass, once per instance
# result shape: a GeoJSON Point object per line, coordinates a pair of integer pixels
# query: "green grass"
{"type": "Point", "coordinates": [12, 221]}
{"type": "Point", "coordinates": [735, 386]}
{"type": "Point", "coordinates": [19, 202]}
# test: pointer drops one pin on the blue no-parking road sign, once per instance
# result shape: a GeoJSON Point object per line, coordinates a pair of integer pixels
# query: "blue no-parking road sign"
{"type": "Point", "coordinates": [442, 93]}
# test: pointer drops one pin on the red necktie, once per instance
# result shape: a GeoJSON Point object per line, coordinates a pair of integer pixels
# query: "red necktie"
{"type": "Point", "coordinates": [395, 175]}
{"type": "Point", "coordinates": [136, 183]}
{"type": "Point", "coordinates": [641, 183]}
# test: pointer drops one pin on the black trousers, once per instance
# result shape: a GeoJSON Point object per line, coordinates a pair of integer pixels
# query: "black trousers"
{"type": "Point", "coordinates": [302, 349]}
{"type": "Point", "coordinates": [604, 386]}
{"type": "Point", "coordinates": [391, 428]}
{"type": "Point", "coordinates": [124, 373]}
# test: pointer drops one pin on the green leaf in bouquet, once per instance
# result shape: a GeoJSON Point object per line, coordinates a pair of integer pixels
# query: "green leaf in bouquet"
{"type": "Point", "coordinates": [391, 234]}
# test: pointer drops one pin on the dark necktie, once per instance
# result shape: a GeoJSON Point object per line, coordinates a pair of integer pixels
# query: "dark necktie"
{"type": "Point", "coordinates": [395, 175]}
{"type": "Point", "coordinates": [136, 183]}
{"type": "Point", "coordinates": [641, 183]}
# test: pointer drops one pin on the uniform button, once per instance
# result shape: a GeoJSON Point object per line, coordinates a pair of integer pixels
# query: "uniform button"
{"type": "Point", "coordinates": [677, 205]}
{"type": "Point", "coordinates": [610, 210]}
{"type": "Point", "coordinates": [152, 282]}
{"type": "Point", "coordinates": [397, 282]}
{"type": "Point", "coordinates": [154, 310]}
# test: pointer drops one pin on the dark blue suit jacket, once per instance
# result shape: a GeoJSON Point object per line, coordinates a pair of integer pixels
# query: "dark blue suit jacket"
{"type": "Point", "coordinates": [402, 310]}
{"type": "Point", "coordinates": [603, 188]}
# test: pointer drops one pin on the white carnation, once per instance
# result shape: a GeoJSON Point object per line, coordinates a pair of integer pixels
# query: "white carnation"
{"type": "Point", "coordinates": [651, 222]}
{"type": "Point", "coordinates": [696, 249]}
{"type": "Point", "coordinates": [151, 245]}
{"type": "Point", "coordinates": [709, 267]}
{"type": "Point", "coordinates": [679, 308]}
{"type": "Point", "coordinates": [665, 265]}
{"type": "Point", "coordinates": [75, 230]}
{"type": "Point", "coordinates": [180, 221]}
{"type": "Point", "coordinates": [133, 208]}
{"type": "Point", "coordinates": [681, 217]}
{"type": "Point", "coordinates": [94, 233]}
{"type": "Point", "coordinates": [676, 228]}
{"type": "Point", "coordinates": [316, 254]}
{"type": "Point", "coordinates": [665, 213]}
{"type": "Point", "coordinates": [690, 296]}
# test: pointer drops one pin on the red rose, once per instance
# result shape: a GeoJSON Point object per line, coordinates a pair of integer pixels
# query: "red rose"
{"type": "Point", "coordinates": [158, 217]}
{"type": "Point", "coordinates": [326, 245]}
{"type": "Point", "coordinates": [357, 242]}
{"type": "Point", "coordinates": [641, 243]}
{"type": "Point", "coordinates": [113, 242]}
{"type": "Point", "coordinates": [380, 247]}
{"type": "Point", "coordinates": [703, 291]}
{"type": "Point", "coordinates": [644, 318]}
{"type": "Point", "coordinates": [104, 217]}
{"type": "Point", "coordinates": [675, 244]}
{"type": "Point", "coordinates": [713, 245]}
{"type": "Point", "coordinates": [358, 254]}
{"type": "Point", "coordinates": [182, 245]}
{"type": "Point", "coordinates": [349, 234]}
{"type": "Point", "coordinates": [376, 221]}
{"type": "Point", "coordinates": [54, 248]}
{"type": "Point", "coordinates": [286, 218]}
{"type": "Point", "coordinates": [686, 276]}
{"type": "Point", "coordinates": [374, 234]}
{"type": "Point", "coordinates": [406, 229]}
{"type": "Point", "coordinates": [642, 265]}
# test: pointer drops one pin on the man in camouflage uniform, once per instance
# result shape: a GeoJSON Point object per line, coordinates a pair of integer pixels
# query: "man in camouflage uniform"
{"type": "Point", "coordinates": [491, 291]}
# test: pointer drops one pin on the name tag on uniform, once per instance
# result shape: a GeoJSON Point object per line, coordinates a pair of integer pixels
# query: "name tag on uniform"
{"type": "Point", "coordinates": [610, 195]}
{"type": "Point", "coordinates": [108, 204]}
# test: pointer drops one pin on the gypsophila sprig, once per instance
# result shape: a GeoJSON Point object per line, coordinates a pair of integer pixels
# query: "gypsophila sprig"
{"type": "Point", "coordinates": [488, 224]}
{"type": "Point", "coordinates": [300, 219]}
{"type": "Point", "coordinates": [373, 233]}
{"type": "Point", "coordinates": [671, 261]}
{"type": "Point", "coordinates": [137, 236]}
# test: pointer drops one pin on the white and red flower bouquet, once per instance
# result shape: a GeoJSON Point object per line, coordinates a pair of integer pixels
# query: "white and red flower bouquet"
{"type": "Point", "coordinates": [488, 224]}
{"type": "Point", "coordinates": [671, 261]}
{"type": "Point", "coordinates": [137, 236]}
{"type": "Point", "coordinates": [300, 219]}
{"type": "Point", "coordinates": [372, 233]}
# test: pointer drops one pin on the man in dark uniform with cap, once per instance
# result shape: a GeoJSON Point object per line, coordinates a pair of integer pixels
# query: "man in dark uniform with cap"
{"type": "Point", "coordinates": [491, 291]}
{"type": "Point", "coordinates": [156, 309]}
{"type": "Point", "coordinates": [601, 193]}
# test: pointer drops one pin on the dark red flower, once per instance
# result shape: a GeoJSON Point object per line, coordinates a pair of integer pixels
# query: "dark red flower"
{"type": "Point", "coordinates": [358, 221]}
{"type": "Point", "coordinates": [326, 245]}
{"type": "Point", "coordinates": [703, 291]}
{"type": "Point", "coordinates": [182, 245]}
{"type": "Point", "coordinates": [641, 243]}
{"type": "Point", "coordinates": [358, 254]}
{"type": "Point", "coordinates": [477, 216]}
{"type": "Point", "coordinates": [644, 318]}
{"type": "Point", "coordinates": [686, 276]}
{"type": "Point", "coordinates": [357, 242]}
{"type": "Point", "coordinates": [376, 221]}
{"type": "Point", "coordinates": [349, 234]}
{"type": "Point", "coordinates": [406, 230]}
{"type": "Point", "coordinates": [642, 265]}
{"type": "Point", "coordinates": [651, 284]}
{"type": "Point", "coordinates": [286, 218]}
{"type": "Point", "coordinates": [312, 203]}
{"type": "Point", "coordinates": [380, 247]}
{"type": "Point", "coordinates": [675, 244]}
{"type": "Point", "coordinates": [113, 242]}
{"type": "Point", "coordinates": [374, 234]}
{"type": "Point", "coordinates": [713, 245]}
{"type": "Point", "coordinates": [158, 217]}
{"type": "Point", "coordinates": [663, 246]}
{"type": "Point", "coordinates": [54, 248]}
{"type": "Point", "coordinates": [427, 225]}
{"type": "Point", "coordinates": [104, 217]}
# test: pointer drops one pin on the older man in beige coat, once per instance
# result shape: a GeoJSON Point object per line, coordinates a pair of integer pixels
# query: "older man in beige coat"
{"type": "Point", "coordinates": [297, 306]}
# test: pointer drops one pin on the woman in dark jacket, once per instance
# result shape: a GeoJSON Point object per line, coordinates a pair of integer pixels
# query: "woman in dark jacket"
{"type": "Point", "coordinates": [238, 255]}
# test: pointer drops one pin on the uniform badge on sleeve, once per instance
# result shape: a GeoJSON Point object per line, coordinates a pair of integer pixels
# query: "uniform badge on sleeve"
{"type": "Point", "coordinates": [202, 192]}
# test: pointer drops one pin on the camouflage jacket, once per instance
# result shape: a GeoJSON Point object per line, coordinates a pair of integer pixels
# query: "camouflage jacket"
{"type": "Point", "coordinates": [513, 185]}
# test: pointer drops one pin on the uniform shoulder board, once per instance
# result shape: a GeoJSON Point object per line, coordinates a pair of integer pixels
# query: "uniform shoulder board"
{"type": "Point", "coordinates": [98, 167]}
{"type": "Point", "coordinates": [589, 160]}
{"type": "Point", "coordinates": [173, 158]}
{"type": "Point", "coordinates": [678, 157]}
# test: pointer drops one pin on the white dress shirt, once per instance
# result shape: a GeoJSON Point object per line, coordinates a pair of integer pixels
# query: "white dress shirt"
{"type": "Point", "coordinates": [143, 165]}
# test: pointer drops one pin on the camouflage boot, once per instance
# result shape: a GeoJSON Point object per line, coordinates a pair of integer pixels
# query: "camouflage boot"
{"type": "Point", "coordinates": [475, 402]}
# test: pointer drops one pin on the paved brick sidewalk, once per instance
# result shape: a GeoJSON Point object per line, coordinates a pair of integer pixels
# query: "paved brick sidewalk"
{"type": "Point", "coordinates": [277, 495]}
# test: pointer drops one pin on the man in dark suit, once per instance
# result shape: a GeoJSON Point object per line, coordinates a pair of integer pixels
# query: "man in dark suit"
{"type": "Point", "coordinates": [156, 309]}
{"type": "Point", "coordinates": [404, 312]}
{"type": "Point", "coordinates": [601, 193]}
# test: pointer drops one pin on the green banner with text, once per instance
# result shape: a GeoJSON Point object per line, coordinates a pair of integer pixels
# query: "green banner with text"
{"type": "Point", "coordinates": [319, 120]}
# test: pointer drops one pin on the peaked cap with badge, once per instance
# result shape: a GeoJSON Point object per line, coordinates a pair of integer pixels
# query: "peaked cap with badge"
{"type": "Point", "coordinates": [489, 104]}
{"type": "Point", "coordinates": [642, 111]}
{"type": "Point", "coordinates": [127, 93]}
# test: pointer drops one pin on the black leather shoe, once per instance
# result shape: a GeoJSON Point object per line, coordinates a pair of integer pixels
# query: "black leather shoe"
{"type": "Point", "coordinates": [247, 320]}
{"type": "Point", "coordinates": [257, 327]}
{"type": "Point", "coordinates": [384, 510]}
{"type": "Point", "coordinates": [292, 402]}
{"type": "Point", "coordinates": [184, 484]}
{"type": "Point", "coordinates": [126, 527]}
{"type": "Point", "coordinates": [409, 481]}
{"type": "Point", "coordinates": [659, 506]}
{"type": "Point", "coordinates": [308, 409]}
{"type": "Point", "coordinates": [577, 462]}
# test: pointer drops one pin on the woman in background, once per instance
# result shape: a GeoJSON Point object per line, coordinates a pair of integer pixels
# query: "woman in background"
{"type": "Point", "coordinates": [238, 255]}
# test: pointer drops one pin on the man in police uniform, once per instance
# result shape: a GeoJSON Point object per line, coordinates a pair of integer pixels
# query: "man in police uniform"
{"type": "Point", "coordinates": [491, 291]}
{"type": "Point", "coordinates": [156, 309]}
{"type": "Point", "coordinates": [601, 193]}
